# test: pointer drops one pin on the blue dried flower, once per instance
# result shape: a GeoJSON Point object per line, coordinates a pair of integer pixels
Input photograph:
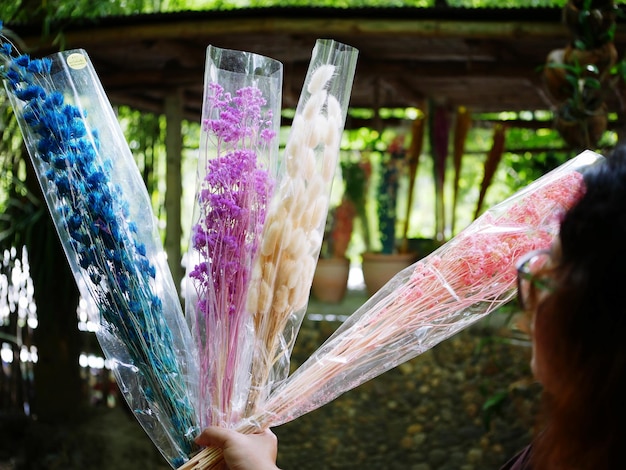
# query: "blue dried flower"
{"type": "Point", "coordinates": [94, 214]}
{"type": "Point", "coordinates": [30, 92]}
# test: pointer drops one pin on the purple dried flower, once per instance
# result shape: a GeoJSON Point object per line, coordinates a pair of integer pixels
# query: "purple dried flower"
{"type": "Point", "coordinates": [232, 200]}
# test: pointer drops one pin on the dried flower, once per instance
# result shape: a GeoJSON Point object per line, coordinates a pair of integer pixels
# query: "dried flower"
{"type": "Point", "coordinates": [109, 257]}
{"type": "Point", "coordinates": [462, 281]}
{"type": "Point", "coordinates": [231, 201]}
{"type": "Point", "coordinates": [292, 237]}
{"type": "Point", "coordinates": [393, 162]}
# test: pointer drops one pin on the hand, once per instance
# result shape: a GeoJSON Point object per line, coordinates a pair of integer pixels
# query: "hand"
{"type": "Point", "coordinates": [243, 451]}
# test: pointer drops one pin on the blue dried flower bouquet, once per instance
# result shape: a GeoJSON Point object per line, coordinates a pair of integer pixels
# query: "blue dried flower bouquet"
{"type": "Point", "coordinates": [103, 215]}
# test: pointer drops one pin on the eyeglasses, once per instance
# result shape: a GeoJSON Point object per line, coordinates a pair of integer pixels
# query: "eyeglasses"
{"type": "Point", "coordinates": [528, 268]}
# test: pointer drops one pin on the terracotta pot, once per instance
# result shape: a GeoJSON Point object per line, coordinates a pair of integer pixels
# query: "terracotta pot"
{"type": "Point", "coordinates": [378, 268]}
{"type": "Point", "coordinates": [330, 280]}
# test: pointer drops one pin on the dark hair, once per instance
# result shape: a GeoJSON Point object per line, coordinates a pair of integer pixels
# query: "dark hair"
{"type": "Point", "coordinates": [580, 331]}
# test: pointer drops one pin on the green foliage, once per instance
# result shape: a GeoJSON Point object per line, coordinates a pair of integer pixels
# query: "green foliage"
{"type": "Point", "coordinates": [505, 3]}
{"type": "Point", "coordinates": [52, 11]}
{"type": "Point", "coordinates": [355, 181]}
{"type": "Point", "coordinates": [529, 154]}
{"type": "Point", "coordinates": [233, 4]}
{"type": "Point", "coordinates": [20, 208]}
{"type": "Point", "coordinates": [145, 134]}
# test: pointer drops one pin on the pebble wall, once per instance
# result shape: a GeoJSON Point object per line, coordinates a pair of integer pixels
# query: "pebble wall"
{"type": "Point", "coordinates": [467, 404]}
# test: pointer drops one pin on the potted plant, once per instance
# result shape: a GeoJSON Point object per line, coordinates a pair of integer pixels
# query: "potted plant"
{"type": "Point", "coordinates": [330, 280]}
{"type": "Point", "coordinates": [580, 76]}
{"type": "Point", "coordinates": [381, 264]}
{"type": "Point", "coordinates": [581, 115]}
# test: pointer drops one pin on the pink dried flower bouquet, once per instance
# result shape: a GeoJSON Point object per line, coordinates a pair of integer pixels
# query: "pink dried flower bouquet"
{"type": "Point", "coordinates": [458, 284]}
{"type": "Point", "coordinates": [455, 286]}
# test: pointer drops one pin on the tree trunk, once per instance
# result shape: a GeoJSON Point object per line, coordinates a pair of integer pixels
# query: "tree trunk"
{"type": "Point", "coordinates": [58, 390]}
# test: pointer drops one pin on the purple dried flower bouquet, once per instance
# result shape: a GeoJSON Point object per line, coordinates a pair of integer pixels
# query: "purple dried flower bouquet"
{"type": "Point", "coordinates": [236, 177]}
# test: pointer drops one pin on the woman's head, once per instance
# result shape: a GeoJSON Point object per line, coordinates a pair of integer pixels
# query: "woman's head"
{"type": "Point", "coordinates": [579, 326]}
{"type": "Point", "coordinates": [585, 315]}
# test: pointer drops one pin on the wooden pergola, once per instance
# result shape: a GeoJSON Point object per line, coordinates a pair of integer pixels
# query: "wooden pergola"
{"type": "Point", "coordinates": [487, 60]}
{"type": "Point", "coordinates": [484, 59]}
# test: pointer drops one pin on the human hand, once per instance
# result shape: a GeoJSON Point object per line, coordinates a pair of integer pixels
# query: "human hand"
{"type": "Point", "coordinates": [243, 451]}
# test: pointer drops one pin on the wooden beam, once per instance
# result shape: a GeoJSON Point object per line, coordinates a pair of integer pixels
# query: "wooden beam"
{"type": "Point", "coordinates": [174, 191]}
{"type": "Point", "coordinates": [486, 60]}
{"type": "Point", "coordinates": [231, 27]}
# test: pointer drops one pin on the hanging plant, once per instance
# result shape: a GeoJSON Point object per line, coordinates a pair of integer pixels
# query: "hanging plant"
{"type": "Point", "coordinates": [590, 22]}
{"type": "Point", "coordinates": [580, 76]}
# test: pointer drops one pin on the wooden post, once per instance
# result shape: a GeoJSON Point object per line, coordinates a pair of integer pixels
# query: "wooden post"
{"type": "Point", "coordinates": [173, 191]}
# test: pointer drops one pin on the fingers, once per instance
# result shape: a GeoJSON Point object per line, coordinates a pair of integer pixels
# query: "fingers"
{"type": "Point", "coordinates": [242, 451]}
{"type": "Point", "coordinates": [220, 437]}
{"type": "Point", "coordinates": [267, 436]}
{"type": "Point", "coordinates": [214, 436]}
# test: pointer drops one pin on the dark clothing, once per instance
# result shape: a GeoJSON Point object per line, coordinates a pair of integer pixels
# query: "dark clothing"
{"type": "Point", "coordinates": [520, 462]}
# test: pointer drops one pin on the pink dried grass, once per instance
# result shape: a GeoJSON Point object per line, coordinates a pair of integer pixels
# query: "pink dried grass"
{"type": "Point", "coordinates": [462, 281]}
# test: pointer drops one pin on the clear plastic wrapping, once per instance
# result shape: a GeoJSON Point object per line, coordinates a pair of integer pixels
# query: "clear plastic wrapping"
{"type": "Point", "coordinates": [237, 174]}
{"type": "Point", "coordinates": [455, 286]}
{"type": "Point", "coordinates": [102, 212]}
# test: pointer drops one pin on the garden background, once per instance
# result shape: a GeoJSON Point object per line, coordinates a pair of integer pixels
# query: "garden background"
{"type": "Point", "coordinates": [478, 66]}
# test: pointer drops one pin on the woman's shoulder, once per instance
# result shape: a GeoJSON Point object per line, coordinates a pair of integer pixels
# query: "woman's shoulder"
{"type": "Point", "coordinates": [521, 461]}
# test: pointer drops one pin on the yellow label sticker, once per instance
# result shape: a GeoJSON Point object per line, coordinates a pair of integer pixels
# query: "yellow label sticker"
{"type": "Point", "coordinates": [76, 61]}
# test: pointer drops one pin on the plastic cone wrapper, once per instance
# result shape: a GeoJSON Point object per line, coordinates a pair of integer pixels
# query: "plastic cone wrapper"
{"type": "Point", "coordinates": [458, 284]}
{"type": "Point", "coordinates": [103, 215]}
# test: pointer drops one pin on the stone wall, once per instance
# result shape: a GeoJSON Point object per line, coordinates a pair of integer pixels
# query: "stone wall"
{"type": "Point", "coordinates": [467, 404]}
